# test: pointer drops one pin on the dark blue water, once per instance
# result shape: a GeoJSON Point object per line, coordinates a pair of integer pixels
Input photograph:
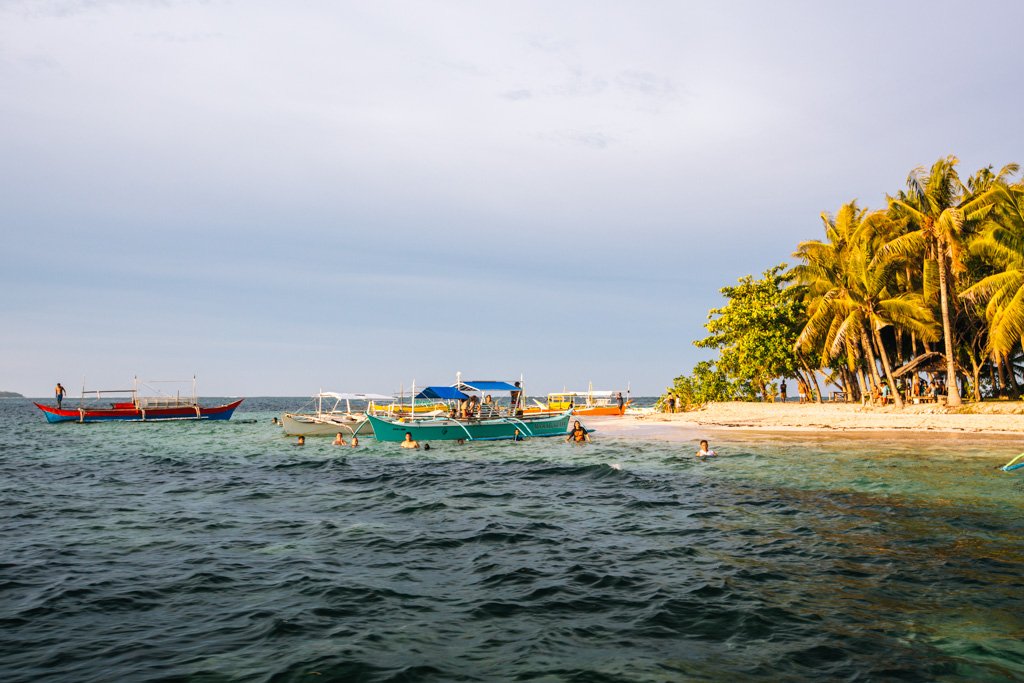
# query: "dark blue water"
{"type": "Point", "coordinates": [220, 552]}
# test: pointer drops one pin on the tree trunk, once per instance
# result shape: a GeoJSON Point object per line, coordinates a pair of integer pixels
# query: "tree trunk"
{"type": "Point", "coordinates": [1011, 379]}
{"type": "Point", "coordinates": [897, 399]}
{"type": "Point", "coordinates": [817, 387]}
{"type": "Point", "coordinates": [998, 363]}
{"type": "Point", "coordinates": [952, 393]}
{"type": "Point", "coordinates": [872, 361]}
{"type": "Point", "coordinates": [862, 385]}
{"type": "Point", "coordinates": [976, 369]}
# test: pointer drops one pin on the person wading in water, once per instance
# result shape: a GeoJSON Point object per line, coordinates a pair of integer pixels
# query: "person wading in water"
{"type": "Point", "coordinates": [579, 434]}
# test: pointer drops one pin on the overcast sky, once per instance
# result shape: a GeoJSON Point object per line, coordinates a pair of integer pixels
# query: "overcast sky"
{"type": "Point", "coordinates": [283, 196]}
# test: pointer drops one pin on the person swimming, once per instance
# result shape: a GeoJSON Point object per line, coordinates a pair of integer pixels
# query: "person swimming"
{"type": "Point", "coordinates": [339, 440]}
{"type": "Point", "coordinates": [578, 434]}
{"type": "Point", "coordinates": [355, 441]}
{"type": "Point", "coordinates": [409, 441]}
{"type": "Point", "coordinates": [705, 451]}
{"type": "Point", "coordinates": [301, 441]}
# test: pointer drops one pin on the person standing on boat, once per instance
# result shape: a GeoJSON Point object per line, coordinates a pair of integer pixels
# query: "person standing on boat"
{"type": "Point", "coordinates": [59, 392]}
{"type": "Point", "coordinates": [579, 434]}
{"type": "Point", "coordinates": [516, 398]}
{"type": "Point", "coordinates": [409, 441]}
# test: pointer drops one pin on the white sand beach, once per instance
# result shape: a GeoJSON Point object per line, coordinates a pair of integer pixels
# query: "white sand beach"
{"type": "Point", "coordinates": [1004, 418]}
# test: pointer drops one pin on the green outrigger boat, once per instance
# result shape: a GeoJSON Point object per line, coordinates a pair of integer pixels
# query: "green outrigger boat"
{"type": "Point", "coordinates": [469, 419]}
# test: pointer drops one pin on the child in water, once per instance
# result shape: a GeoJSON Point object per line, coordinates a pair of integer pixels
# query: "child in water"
{"type": "Point", "coordinates": [705, 451]}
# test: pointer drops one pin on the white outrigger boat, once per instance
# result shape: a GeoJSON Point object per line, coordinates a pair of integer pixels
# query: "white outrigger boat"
{"type": "Point", "coordinates": [321, 422]}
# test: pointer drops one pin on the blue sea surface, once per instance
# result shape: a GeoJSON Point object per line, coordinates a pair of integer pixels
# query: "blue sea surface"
{"type": "Point", "coordinates": [204, 551]}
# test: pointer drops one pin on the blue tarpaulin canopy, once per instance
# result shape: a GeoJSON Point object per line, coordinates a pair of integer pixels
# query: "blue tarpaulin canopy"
{"type": "Point", "coordinates": [488, 386]}
{"type": "Point", "coordinates": [442, 393]}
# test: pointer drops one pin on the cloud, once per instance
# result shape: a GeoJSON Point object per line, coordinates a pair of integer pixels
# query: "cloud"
{"type": "Point", "coordinates": [515, 95]}
{"type": "Point", "coordinates": [591, 139]}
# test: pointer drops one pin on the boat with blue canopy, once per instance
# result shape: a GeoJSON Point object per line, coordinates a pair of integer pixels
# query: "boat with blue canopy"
{"type": "Point", "coordinates": [469, 416]}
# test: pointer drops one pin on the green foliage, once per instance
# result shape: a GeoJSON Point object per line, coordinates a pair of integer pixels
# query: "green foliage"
{"type": "Point", "coordinates": [935, 280]}
{"type": "Point", "coordinates": [756, 331]}
{"type": "Point", "coordinates": [705, 383]}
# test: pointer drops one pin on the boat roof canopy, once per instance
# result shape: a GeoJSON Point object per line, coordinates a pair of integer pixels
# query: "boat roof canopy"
{"type": "Point", "coordinates": [582, 393]}
{"type": "Point", "coordinates": [354, 397]}
{"type": "Point", "coordinates": [442, 393]}
{"type": "Point", "coordinates": [487, 385]}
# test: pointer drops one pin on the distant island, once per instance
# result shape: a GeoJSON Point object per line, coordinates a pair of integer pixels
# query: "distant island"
{"type": "Point", "coordinates": [10, 394]}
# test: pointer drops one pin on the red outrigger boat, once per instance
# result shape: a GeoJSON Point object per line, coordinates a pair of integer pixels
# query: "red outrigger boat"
{"type": "Point", "coordinates": [139, 408]}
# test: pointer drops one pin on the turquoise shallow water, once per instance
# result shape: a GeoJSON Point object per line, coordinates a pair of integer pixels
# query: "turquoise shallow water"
{"type": "Point", "coordinates": [220, 552]}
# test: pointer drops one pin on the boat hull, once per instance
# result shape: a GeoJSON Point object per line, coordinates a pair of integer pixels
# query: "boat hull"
{"type": "Point", "coordinates": [446, 429]}
{"type": "Point", "coordinates": [593, 411]}
{"type": "Point", "coordinates": [125, 414]}
{"type": "Point", "coordinates": [297, 424]}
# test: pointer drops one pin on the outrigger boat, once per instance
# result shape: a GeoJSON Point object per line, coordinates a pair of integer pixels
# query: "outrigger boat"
{"type": "Point", "coordinates": [489, 421]}
{"type": "Point", "coordinates": [139, 408]}
{"type": "Point", "coordinates": [587, 402]}
{"type": "Point", "coordinates": [334, 419]}
{"type": "Point", "coordinates": [1014, 464]}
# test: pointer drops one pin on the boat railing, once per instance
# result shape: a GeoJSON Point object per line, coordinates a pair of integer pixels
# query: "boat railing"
{"type": "Point", "coordinates": [150, 402]}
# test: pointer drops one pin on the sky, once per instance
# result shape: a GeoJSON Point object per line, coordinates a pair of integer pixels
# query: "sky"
{"type": "Point", "coordinates": [283, 197]}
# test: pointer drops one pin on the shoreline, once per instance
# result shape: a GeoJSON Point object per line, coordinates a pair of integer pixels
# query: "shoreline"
{"type": "Point", "coordinates": [1004, 419]}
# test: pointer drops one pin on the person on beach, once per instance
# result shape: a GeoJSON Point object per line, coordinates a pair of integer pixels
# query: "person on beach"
{"type": "Point", "coordinates": [355, 441]}
{"type": "Point", "coordinates": [579, 434]}
{"type": "Point", "coordinates": [782, 390]}
{"type": "Point", "coordinates": [339, 440]}
{"type": "Point", "coordinates": [59, 393]}
{"type": "Point", "coordinates": [705, 451]}
{"type": "Point", "coordinates": [301, 441]}
{"type": "Point", "coordinates": [917, 387]}
{"type": "Point", "coordinates": [618, 400]}
{"type": "Point", "coordinates": [801, 390]}
{"type": "Point", "coordinates": [409, 442]}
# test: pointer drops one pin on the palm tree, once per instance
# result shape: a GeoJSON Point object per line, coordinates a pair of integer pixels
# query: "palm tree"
{"type": "Point", "coordinates": [1001, 244]}
{"type": "Point", "coordinates": [853, 288]}
{"type": "Point", "coordinates": [939, 208]}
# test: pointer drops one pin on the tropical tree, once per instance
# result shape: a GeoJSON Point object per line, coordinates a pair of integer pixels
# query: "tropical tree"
{"type": "Point", "coordinates": [853, 290]}
{"type": "Point", "coordinates": [757, 329]}
{"type": "Point", "coordinates": [1001, 244]}
{"type": "Point", "coordinates": [705, 383]}
{"type": "Point", "coordinates": [940, 209]}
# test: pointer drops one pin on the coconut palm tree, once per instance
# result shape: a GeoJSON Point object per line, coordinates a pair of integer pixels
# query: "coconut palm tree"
{"type": "Point", "coordinates": [1001, 244]}
{"type": "Point", "coordinates": [940, 209]}
{"type": "Point", "coordinates": [853, 289]}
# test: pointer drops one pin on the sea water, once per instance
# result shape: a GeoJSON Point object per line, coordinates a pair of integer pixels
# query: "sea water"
{"type": "Point", "coordinates": [213, 551]}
